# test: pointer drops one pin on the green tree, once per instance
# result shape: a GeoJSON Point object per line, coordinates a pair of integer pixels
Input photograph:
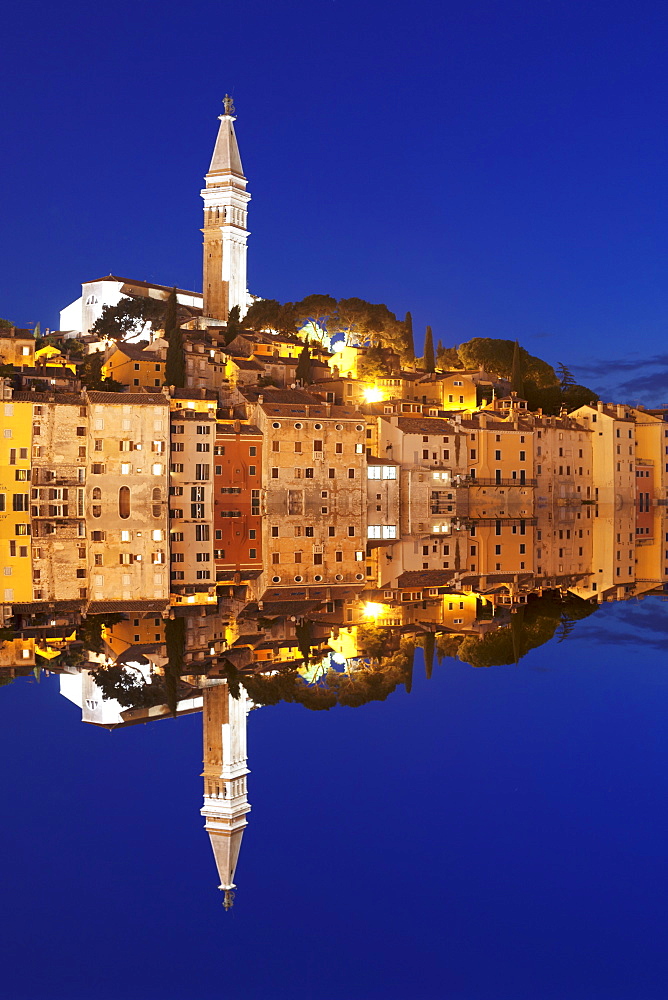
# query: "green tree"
{"type": "Point", "coordinates": [496, 357]}
{"type": "Point", "coordinates": [233, 327]}
{"type": "Point", "coordinates": [373, 364]}
{"type": "Point", "coordinates": [6, 324]}
{"type": "Point", "coordinates": [90, 373]}
{"type": "Point", "coordinates": [565, 376]}
{"type": "Point", "coordinates": [269, 314]}
{"type": "Point", "coordinates": [429, 645]}
{"type": "Point", "coordinates": [175, 368]}
{"type": "Point", "coordinates": [316, 312]}
{"type": "Point", "coordinates": [129, 318]}
{"type": "Point", "coordinates": [429, 359]}
{"type": "Point", "coordinates": [303, 372]}
{"type": "Point", "coordinates": [408, 353]}
{"type": "Point", "coordinates": [170, 319]}
{"type": "Point", "coordinates": [516, 374]}
{"type": "Point", "coordinates": [447, 358]}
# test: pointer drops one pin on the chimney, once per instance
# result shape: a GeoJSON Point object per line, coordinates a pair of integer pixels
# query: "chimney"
{"type": "Point", "coordinates": [482, 420]}
{"type": "Point", "coordinates": [202, 393]}
{"type": "Point", "coordinates": [599, 406]}
{"type": "Point", "coordinates": [260, 399]}
{"type": "Point", "coordinates": [621, 410]}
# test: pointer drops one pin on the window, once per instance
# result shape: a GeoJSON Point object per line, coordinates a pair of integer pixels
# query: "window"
{"type": "Point", "coordinates": [124, 502]}
{"type": "Point", "coordinates": [197, 493]}
{"type": "Point", "coordinates": [252, 470]}
{"type": "Point", "coordinates": [20, 501]}
{"type": "Point", "coordinates": [201, 532]}
{"type": "Point", "coordinates": [351, 473]}
{"type": "Point", "coordinates": [252, 451]}
{"type": "Point", "coordinates": [202, 471]}
{"type": "Point", "coordinates": [274, 473]}
{"type": "Point", "coordinates": [202, 557]}
{"type": "Point", "coordinates": [275, 445]}
{"type": "Point", "coordinates": [202, 446]}
{"type": "Point", "coordinates": [338, 448]}
{"type": "Point", "coordinates": [203, 429]}
{"type": "Point", "coordinates": [196, 510]}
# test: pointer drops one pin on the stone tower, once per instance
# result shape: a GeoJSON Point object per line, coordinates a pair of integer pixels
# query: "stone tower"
{"type": "Point", "coordinates": [225, 233]}
{"type": "Point", "coordinates": [225, 802]}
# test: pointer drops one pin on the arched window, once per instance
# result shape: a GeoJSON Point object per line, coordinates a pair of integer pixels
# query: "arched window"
{"type": "Point", "coordinates": [124, 502]}
{"type": "Point", "coordinates": [97, 493]}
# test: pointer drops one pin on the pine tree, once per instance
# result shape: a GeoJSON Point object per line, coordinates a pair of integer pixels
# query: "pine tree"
{"type": "Point", "coordinates": [516, 376]}
{"type": "Point", "coordinates": [175, 369]}
{"type": "Point", "coordinates": [409, 348]}
{"type": "Point", "coordinates": [565, 376]}
{"type": "Point", "coordinates": [303, 372]}
{"type": "Point", "coordinates": [429, 360]}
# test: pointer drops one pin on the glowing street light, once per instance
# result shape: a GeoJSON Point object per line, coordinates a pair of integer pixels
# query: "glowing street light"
{"type": "Point", "coordinates": [373, 394]}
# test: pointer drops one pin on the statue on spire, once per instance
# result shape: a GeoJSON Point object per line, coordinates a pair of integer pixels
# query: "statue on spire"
{"type": "Point", "coordinates": [228, 104]}
{"type": "Point", "coordinates": [228, 900]}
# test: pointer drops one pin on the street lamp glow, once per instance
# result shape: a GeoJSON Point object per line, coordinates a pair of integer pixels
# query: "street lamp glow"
{"type": "Point", "coordinates": [373, 394]}
{"type": "Point", "coordinates": [373, 609]}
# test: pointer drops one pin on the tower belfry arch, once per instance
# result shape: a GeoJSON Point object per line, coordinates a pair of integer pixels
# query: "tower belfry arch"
{"type": "Point", "coordinates": [225, 229]}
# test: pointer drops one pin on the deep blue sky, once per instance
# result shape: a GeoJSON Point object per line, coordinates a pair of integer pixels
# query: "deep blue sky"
{"type": "Point", "coordinates": [498, 168]}
{"type": "Point", "coordinates": [498, 834]}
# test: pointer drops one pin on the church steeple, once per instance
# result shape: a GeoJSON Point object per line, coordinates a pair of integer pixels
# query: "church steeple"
{"type": "Point", "coordinates": [225, 218]}
{"type": "Point", "coordinates": [225, 802]}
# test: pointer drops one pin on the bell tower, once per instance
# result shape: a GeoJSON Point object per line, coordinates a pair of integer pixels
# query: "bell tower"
{"type": "Point", "coordinates": [225, 217]}
{"type": "Point", "coordinates": [225, 802]}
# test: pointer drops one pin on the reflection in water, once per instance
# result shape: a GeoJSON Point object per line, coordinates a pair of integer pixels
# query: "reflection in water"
{"type": "Point", "coordinates": [249, 645]}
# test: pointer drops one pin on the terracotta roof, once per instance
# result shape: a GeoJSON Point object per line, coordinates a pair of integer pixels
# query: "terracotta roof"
{"type": "Point", "coordinates": [247, 364]}
{"type": "Point", "coordinates": [244, 429]}
{"type": "Point", "coordinates": [191, 393]}
{"type": "Point", "coordinates": [103, 607]}
{"type": "Point", "coordinates": [133, 398]}
{"type": "Point", "coordinates": [63, 398]}
{"type": "Point", "coordinates": [137, 352]}
{"type": "Point", "coordinates": [426, 578]}
{"type": "Point", "coordinates": [425, 425]}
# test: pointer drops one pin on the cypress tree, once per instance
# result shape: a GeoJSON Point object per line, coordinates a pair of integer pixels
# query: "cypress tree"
{"type": "Point", "coordinates": [429, 360]}
{"type": "Point", "coordinates": [409, 342]}
{"type": "Point", "coordinates": [303, 372]}
{"type": "Point", "coordinates": [175, 369]}
{"type": "Point", "coordinates": [171, 314]}
{"type": "Point", "coordinates": [516, 376]}
{"type": "Point", "coordinates": [233, 325]}
{"type": "Point", "coordinates": [429, 646]}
